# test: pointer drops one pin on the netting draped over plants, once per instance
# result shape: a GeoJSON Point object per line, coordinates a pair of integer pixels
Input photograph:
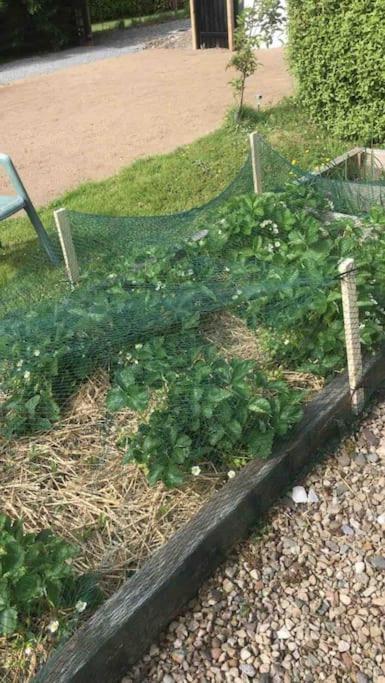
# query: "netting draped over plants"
{"type": "Point", "coordinates": [188, 347]}
{"type": "Point", "coordinates": [270, 260]}
{"type": "Point", "coordinates": [345, 195]}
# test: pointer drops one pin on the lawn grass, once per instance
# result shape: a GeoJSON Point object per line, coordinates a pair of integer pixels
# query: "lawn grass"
{"type": "Point", "coordinates": [187, 177]}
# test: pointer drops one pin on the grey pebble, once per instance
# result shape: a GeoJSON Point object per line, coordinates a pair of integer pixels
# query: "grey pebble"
{"type": "Point", "coordinates": [378, 561]}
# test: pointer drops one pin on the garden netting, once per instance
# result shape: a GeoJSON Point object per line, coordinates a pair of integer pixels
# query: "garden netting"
{"type": "Point", "coordinates": [149, 277]}
{"type": "Point", "coordinates": [189, 346]}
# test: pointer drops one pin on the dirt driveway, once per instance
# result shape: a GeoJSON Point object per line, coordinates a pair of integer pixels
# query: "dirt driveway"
{"type": "Point", "coordinates": [87, 122]}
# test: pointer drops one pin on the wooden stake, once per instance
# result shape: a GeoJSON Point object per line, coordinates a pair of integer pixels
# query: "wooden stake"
{"type": "Point", "coordinates": [256, 163]}
{"type": "Point", "coordinates": [352, 333]}
{"type": "Point", "coordinates": [230, 23]}
{"type": "Point", "coordinates": [194, 26]}
{"type": "Point", "coordinates": [67, 245]}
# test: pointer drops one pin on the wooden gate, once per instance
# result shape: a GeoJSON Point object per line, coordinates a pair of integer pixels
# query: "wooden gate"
{"type": "Point", "coordinates": [213, 23]}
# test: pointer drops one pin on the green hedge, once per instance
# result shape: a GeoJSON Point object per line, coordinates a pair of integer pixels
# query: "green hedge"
{"type": "Point", "coordinates": [105, 10]}
{"type": "Point", "coordinates": [337, 52]}
{"type": "Point", "coordinates": [28, 26]}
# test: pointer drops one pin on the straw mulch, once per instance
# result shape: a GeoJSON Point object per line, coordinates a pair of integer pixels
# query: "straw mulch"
{"type": "Point", "coordinates": [234, 338]}
{"type": "Point", "coordinates": [73, 480]}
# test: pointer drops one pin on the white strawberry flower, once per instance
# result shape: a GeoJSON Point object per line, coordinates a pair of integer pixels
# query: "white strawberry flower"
{"type": "Point", "coordinates": [80, 606]}
{"type": "Point", "coordinates": [53, 626]}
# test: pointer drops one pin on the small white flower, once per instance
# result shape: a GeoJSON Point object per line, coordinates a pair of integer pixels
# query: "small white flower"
{"type": "Point", "coordinates": [20, 364]}
{"type": "Point", "coordinates": [28, 651]}
{"type": "Point", "coordinates": [53, 626]}
{"type": "Point", "coordinates": [138, 346]}
{"type": "Point", "coordinates": [36, 352]}
{"type": "Point", "coordinates": [195, 471]}
{"type": "Point", "coordinates": [265, 224]}
{"type": "Point", "coordinates": [277, 244]}
{"type": "Point", "coordinates": [27, 375]}
{"type": "Point", "coordinates": [80, 606]}
{"type": "Point", "coordinates": [286, 342]}
{"type": "Point", "coordinates": [231, 474]}
{"type": "Point", "coordinates": [239, 292]}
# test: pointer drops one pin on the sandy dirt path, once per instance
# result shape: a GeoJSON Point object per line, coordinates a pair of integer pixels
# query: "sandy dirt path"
{"type": "Point", "coordinates": [89, 121]}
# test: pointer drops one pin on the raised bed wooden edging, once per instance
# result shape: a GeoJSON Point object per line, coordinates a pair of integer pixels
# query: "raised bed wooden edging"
{"type": "Point", "coordinates": [125, 626]}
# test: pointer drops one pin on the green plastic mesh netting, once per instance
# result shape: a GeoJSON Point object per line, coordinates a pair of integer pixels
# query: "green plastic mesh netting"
{"type": "Point", "coordinates": [269, 260]}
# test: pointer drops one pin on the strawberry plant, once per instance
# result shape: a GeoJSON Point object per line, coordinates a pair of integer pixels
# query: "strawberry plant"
{"type": "Point", "coordinates": [213, 408]}
{"type": "Point", "coordinates": [36, 576]}
{"type": "Point", "coordinates": [271, 257]}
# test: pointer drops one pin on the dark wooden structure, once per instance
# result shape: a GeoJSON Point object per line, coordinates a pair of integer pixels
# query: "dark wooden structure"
{"type": "Point", "coordinates": [213, 23]}
{"type": "Point", "coordinates": [83, 21]}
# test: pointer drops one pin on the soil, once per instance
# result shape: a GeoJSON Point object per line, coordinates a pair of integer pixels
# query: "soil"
{"type": "Point", "coordinates": [88, 121]}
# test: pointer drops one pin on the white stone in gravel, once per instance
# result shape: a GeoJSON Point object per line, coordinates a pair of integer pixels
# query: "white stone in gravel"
{"type": "Point", "coordinates": [228, 586]}
{"type": "Point", "coordinates": [345, 599]}
{"type": "Point", "coordinates": [347, 530]}
{"type": "Point", "coordinates": [283, 633]}
{"type": "Point", "coordinates": [359, 567]}
{"type": "Point", "coordinates": [343, 646]}
{"type": "Point", "coordinates": [312, 496]}
{"type": "Point", "coordinates": [299, 494]}
{"type": "Point", "coordinates": [245, 654]}
{"type": "Point", "coordinates": [381, 519]}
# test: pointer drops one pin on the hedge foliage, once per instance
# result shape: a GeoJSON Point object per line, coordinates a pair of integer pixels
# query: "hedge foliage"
{"type": "Point", "coordinates": [337, 51]}
{"type": "Point", "coordinates": [31, 25]}
{"type": "Point", "coordinates": [104, 10]}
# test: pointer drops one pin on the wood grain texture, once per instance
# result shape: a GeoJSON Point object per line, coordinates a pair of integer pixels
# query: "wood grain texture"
{"type": "Point", "coordinates": [121, 631]}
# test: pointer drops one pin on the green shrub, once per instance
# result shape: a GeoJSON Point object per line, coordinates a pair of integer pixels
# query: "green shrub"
{"type": "Point", "coordinates": [36, 576]}
{"type": "Point", "coordinates": [27, 25]}
{"type": "Point", "coordinates": [337, 54]}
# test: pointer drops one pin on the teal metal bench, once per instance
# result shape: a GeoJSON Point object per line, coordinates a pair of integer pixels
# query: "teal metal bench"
{"type": "Point", "coordinates": [10, 204]}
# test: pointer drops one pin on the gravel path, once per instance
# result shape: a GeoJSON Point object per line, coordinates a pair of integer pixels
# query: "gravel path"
{"type": "Point", "coordinates": [106, 45]}
{"type": "Point", "coordinates": [89, 121]}
{"type": "Point", "coordinates": [304, 600]}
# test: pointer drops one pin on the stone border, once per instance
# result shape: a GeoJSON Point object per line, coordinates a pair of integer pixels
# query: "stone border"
{"type": "Point", "coordinates": [125, 626]}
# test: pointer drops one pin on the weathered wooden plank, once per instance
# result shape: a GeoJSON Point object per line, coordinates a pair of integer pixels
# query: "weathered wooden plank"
{"type": "Point", "coordinates": [339, 161]}
{"type": "Point", "coordinates": [121, 631]}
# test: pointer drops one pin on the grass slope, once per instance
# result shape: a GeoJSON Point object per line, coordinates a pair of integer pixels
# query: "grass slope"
{"type": "Point", "coordinates": [187, 177]}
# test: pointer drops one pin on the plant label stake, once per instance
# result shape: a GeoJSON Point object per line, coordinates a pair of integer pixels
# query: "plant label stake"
{"type": "Point", "coordinates": [256, 162]}
{"type": "Point", "coordinates": [67, 245]}
{"type": "Point", "coordinates": [352, 333]}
